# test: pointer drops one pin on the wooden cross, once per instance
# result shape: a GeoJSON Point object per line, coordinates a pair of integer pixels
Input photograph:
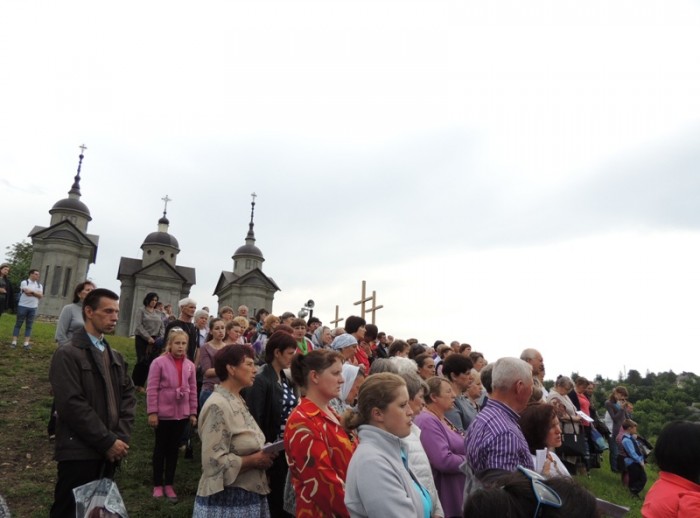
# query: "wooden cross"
{"type": "Point", "coordinates": [337, 317]}
{"type": "Point", "coordinates": [166, 200]}
{"type": "Point", "coordinates": [253, 195]}
{"type": "Point", "coordinates": [82, 149]}
{"type": "Point", "coordinates": [364, 299]}
{"type": "Point", "coordinates": [374, 307]}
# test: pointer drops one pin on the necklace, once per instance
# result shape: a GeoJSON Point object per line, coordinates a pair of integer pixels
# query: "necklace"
{"type": "Point", "coordinates": [443, 420]}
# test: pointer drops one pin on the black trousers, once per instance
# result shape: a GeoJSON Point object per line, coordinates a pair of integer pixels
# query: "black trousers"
{"type": "Point", "coordinates": [71, 474]}
{"type": "Point", "coordinates": [165, 451]}
{"type": "Point", "coordinates": [278, 476]}
{"type": "Point", "coordinates": [637, 478]}
{"type": "Point", "coordinates": [143, 362]}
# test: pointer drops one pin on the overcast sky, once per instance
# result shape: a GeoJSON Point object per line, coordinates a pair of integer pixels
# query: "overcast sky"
{"type": "Point", "coordinates": [506, 174]}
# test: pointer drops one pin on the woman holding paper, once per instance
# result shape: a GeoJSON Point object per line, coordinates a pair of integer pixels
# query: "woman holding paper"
{"type": "Point", "coordinates": [542, 431]}
{"type": "Point", "coordinates": [271, 399]}
{"type": "Point", "coordinates": [234, 480]}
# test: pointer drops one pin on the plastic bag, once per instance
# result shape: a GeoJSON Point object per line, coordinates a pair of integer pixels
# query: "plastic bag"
{"type": "Point", "coordinates": [99, 499]}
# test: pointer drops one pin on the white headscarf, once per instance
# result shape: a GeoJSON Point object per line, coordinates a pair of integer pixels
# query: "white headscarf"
{"type": "Point", "coordinates": [349, 376]}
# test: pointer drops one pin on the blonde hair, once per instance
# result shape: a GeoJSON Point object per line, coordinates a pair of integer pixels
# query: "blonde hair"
{"type": "Point", "coordinates": [242, 321]}
{"type": "Point", "coordinates": [171, 338]}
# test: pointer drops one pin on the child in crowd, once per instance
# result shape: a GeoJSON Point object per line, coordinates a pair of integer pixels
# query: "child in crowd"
{"type": "Point", "coordinates": [171, 400]}
{"type": "Point", "coordinates": [632, 464]}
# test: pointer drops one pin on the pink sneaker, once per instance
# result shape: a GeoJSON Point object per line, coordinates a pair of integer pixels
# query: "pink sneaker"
{"type": "Point", "coordinates": [170, 493]}
{"type": "Point", "coordinates": [158, 492]}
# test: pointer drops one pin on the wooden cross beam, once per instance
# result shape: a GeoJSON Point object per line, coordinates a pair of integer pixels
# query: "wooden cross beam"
{"type": "Point", "coordinates": [374, 307]}
{"type": "Point", "coordinates": [363, 300]}
{"type": "Point", "coordinates": [337, 317]}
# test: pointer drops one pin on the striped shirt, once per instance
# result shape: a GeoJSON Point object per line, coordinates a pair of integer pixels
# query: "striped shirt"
{"type": "Point", "coordinates": [495, 441]}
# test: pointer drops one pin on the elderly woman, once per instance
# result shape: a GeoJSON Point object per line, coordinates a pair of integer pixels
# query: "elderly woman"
{"type": "Point", "coordinates": [201, 322]}
{"type": "Point", "coordinates": [676, 493]}
{"type": "Point", "coordinates": [71, 318]}
{"type": "Point", "coordinates": [346, 345]}
{"type": "Point", "coordinates": [322, 338]}
{"type": "Point", "coordinates": [318, 448]}
{"type": "Point", "coordinates": [566, 411]}
{"type": "Point", "coordinates": [353, 377]}
{"type": "Point", "coordinates": [418, 461]}
{"type": "Point", "coordinates": [149, 328]}
{"type": "Point", "coordinates": [540, 426]}
{"type": "Point", "coordinates": [271, 400]}
{"type": "Point", "coordinates": [234, 482]}
{"type": "Point", "coordinates": [379, 481]}
{"type": "Point", "coordinates": [444, 445]}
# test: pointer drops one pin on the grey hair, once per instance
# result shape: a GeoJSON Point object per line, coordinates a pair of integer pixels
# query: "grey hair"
{"type": "Point", "coordinates": [200, 313]}
{"type": "Point", "coordinates": [508, 371]}
{"type": "Point", "coordinates": [383, 365]}
{"type": "Point", "coordinates": [414, 384]}
{"type": "Point", "coordinates": [528, 354]}
{"type": "Point", "coordinates": [564, 381]}
{"type": "Point", "coordinates": [186, 302]}
{"type": "Point", "coordinates": [404, 365]}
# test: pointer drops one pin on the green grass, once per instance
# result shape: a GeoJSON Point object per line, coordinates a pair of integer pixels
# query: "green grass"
{"type": "Point", "coordinates": [28, 473]}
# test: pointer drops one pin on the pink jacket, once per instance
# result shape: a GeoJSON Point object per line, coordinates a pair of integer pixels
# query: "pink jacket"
{"type": "Point", "coordinates": [165, 395]}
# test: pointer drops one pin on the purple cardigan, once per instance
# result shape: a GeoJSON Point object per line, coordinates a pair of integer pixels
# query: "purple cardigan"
{"type": "Point", "coordinates": [165, 395]}
{"type": "Point", "coordinates": [446, 453]}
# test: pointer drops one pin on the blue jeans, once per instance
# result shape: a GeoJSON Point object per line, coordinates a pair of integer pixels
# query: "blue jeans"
{"type": "Point", "coordinates": [24, 313]}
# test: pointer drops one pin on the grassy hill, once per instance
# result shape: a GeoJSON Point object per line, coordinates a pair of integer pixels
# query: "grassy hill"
{"type": "Point", "coordinates": [28, 472]}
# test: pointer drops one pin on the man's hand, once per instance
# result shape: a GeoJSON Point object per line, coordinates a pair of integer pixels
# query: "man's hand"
{"type": "Point", "coordinates": [118, 451]}
{"type": "Point", "coordinates": [153, 420]}
{"type": "Point", "coordinates": [193, 420]}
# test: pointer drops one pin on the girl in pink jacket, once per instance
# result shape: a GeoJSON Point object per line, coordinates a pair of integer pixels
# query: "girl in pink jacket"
{"type": "Point", "coordinates": [171, 399]}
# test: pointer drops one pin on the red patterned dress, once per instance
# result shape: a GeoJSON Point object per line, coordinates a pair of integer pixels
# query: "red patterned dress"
{"type": "Point", "coordinates": [318, 453]}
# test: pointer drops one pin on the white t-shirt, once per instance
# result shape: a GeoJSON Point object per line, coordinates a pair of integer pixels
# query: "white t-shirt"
{"type": "Point", "coordinates": [24, 299]}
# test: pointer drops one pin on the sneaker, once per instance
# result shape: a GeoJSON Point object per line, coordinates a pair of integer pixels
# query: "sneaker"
{"type": "Point", "coordinates": [170, 493]}
{"type": "Point", "coordinates": [158, 492]}
{"type": "Point", "coordinates": [13, 345]}
{"type": "Point", "coordinates": [27, 347]}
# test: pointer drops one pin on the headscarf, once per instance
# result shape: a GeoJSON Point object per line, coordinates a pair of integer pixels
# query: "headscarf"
{"type": "Point", "coordinates": [349, 376]}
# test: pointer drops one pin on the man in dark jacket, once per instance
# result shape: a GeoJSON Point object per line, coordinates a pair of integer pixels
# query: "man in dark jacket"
{"type": "Point", "coordinates": [94, 400]}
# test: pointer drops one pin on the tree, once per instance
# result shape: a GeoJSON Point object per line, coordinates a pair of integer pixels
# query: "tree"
{"type": "Point", "coordinates": [19, 256]}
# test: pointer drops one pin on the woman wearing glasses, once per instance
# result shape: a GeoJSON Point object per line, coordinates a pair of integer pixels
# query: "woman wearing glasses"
{"type": "Point", "coordinates": [234, 481]}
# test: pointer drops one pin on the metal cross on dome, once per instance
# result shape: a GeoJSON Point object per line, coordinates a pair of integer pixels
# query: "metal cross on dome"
{"type": "Point", "coordinates": [166, 200]}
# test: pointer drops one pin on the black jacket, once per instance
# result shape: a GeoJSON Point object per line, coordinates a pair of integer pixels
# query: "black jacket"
{"type": "Point", "coordinates": [264, 400]}
{"type": "Point", "coordinates": [79, 385]}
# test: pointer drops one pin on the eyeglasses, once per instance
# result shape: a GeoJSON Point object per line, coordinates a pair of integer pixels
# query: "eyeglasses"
{"type": "Point", "coordinates": [544, 494]}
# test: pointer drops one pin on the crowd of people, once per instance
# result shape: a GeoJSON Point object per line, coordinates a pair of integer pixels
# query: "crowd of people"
{"type": "Point", "coordinates": [298, 419]}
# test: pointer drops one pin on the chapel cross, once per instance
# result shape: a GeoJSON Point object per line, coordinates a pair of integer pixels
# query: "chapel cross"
{"type": "Point", "coordinates": [364, 299]}
{"type": "Point", "coordinates": [82, 147]}
{"type": "Point", "coordinates": [337, 317]}
{"type": "Point", "coordinates": [166, 200]}
{"type": "Point", "coordinates": [374, 307]}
